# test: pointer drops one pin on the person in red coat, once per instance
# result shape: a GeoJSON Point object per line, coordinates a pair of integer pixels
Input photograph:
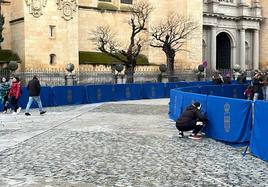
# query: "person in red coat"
{"type": "Point", "coordinates": [14, 94]}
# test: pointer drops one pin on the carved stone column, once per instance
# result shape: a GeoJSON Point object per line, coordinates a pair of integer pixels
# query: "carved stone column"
{"type": "Point", "coordinates": [213, 48]}
{"type": "Point", "coordinates": [256, 49]}
{"type": "Point", "coordinates": [242, 49]}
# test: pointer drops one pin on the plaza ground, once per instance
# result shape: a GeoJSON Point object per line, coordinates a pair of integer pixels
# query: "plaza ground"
{"type": "Point", "coordinates": [130, 143]}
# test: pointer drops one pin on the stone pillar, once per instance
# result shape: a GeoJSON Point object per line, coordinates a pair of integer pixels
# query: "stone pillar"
{"type": "Point", "coordinates": [213, 48]}
{"type": "Point", "coordinates": [256, 47]}
{"type": "Point", "coordinates": [242, 49]}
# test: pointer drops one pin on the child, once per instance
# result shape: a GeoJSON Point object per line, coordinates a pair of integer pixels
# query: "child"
{"type": "Point", "coordinates": [249, 92]}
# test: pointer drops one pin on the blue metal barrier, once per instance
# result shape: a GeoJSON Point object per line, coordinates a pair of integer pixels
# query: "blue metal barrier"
{"type": "Point", "coordinates": [259, 138]}
{"type": "Point", "coordinates": [153, 90]}
{"type": "Point", "coordinates": [127, 92]}
{"type": "Point", "coordinates": [99, 93]}
{"type": "Point", "coordinates": [69, 95]}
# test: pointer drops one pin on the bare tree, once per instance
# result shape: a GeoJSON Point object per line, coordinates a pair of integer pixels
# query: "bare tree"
{"type": "Point", "coordinates": [170, 35]}
{"type": "Point", "coordinates": [106, 42]}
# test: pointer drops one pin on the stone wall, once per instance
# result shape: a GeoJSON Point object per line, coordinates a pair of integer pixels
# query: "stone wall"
{"type": "Point", "coordinates": [30, 34]}
{"type": "Point", "coordinates": [6, 44]}
{"type": "Point", "coordinates": [264, 36]}
{"type": "Point", "coordinates": [89, 19]}
{"type": "Point", "coordinates": [40, 44]}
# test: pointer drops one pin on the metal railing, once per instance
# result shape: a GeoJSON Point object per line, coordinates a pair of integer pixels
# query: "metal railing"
{"type": "Point", "coordinates": [59, 77]}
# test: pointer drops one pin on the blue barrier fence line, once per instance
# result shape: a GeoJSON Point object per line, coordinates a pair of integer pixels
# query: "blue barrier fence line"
{"type": "Point", "coordinates": [64, 95]}
{"type": "Point", "coordinates": [230, 119]}
{"type": "Point", "coordinates": [259, 138]}
{"type": "Point", "coordinates": [224, 124]}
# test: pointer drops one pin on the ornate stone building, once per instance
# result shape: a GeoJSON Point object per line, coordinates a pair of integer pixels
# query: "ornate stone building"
{"type": "Point", "coordinates": [50, 33]}
{"type": "Point", "coordinates": [231, 33]}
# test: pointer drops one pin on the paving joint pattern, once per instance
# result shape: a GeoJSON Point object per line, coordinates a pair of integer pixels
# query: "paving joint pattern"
{"type": "Point", "coordinates": [117, 144]}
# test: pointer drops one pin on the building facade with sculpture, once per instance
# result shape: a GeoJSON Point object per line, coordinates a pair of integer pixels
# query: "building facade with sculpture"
{"type": "Point", "coordinates": [50, 33]}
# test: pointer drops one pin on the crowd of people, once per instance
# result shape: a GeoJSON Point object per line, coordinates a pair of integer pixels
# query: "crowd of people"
{"type": "Point", "coordinates": [258, 89]}
{"type": "Point", "coordinates": [11, 91]}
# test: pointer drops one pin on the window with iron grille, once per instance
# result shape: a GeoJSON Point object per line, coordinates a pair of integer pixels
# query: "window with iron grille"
{"type": "Point", "coordinates": [127, 1]}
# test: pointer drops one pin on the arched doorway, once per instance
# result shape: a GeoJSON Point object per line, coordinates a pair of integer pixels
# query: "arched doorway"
{"type": "Point", "coordinates": [223, 51]}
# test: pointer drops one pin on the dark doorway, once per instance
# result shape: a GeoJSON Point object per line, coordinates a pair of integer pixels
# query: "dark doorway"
{"type": "Point", "coordinates": [223, 51]}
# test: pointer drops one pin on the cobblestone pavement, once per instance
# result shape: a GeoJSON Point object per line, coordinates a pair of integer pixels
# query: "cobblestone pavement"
{"type": "Point", "coordinates": [129, 143]}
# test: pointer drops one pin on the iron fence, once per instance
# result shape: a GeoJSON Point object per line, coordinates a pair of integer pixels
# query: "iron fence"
{"type": "Point", "coordinates": [60, 77]}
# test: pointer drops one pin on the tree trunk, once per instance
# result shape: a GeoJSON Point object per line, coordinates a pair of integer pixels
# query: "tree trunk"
{"type": "Point", "coordinates": [170, 65]}
{"type": "Point", "coordinates": [129, 72]}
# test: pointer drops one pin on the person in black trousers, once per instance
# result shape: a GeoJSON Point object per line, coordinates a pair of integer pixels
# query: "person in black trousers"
{"type": "Point", "coordinates": [34, 89]}
{"type": "Point", "coordinates": [191, 119]}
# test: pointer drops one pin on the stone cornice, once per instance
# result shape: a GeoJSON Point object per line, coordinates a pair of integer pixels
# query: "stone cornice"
{"type": "Point", "coordinates": [236, 18]}
{"type": "Point", "coordinates": [100, 9]}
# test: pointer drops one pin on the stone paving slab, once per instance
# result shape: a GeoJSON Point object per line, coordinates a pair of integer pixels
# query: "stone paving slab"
{"type": "Point", "coordinates": [100, 145]}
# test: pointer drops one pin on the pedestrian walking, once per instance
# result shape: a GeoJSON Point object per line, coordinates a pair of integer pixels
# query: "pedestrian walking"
{"type": "Point", "coordinates": [34, 89]}
{"type": "Point", "coordinates": [14, 94]}
{"type": "Point", "coordinates": [5, 86]}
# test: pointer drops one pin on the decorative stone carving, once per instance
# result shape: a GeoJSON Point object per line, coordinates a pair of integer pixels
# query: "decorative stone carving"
{"type": "Point", "coordinates": [68, 7]}
{"type": "Point", "coordinates": [36, 7]}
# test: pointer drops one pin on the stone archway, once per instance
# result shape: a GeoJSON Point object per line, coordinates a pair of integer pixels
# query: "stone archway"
{"type": "Point", "coordinates": [223, 55]}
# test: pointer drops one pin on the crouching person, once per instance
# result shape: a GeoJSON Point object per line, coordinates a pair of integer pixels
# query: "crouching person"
{"type": "Point", "coordinates": [191, 119]}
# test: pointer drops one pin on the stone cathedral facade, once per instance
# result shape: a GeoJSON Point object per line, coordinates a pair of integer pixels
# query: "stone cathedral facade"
{"type": "Point", "coordinates": [50, 33]}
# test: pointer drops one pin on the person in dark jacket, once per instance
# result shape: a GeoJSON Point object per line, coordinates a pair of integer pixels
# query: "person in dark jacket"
{"type": "Point", "coordinates": [4, 93]}
{"type": "Point", "coordinates": [227, 79]}
{"type": "Point", "coordinates": [34, 89]}
{"type": "Point", "coordinates": [217, 78]}
{"type": "Point", "coordinates": [191, 119]}
{"type": "Point", "coordinates": [257, 82]}
{"type": "Point", "coordinates": [242, 78]}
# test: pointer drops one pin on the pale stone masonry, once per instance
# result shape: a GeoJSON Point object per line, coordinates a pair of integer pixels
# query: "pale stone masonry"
{"type": "Point", "coordinates": [32, 21]}
{"type": "Point", "coordinates": [50, 33]}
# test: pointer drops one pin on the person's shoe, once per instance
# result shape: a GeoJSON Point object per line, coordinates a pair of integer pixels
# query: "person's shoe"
{"type": "Point", "coordinates": [14, 113]}
{"type": "Point", "coordinates": [27, 114]}
{"type": "Point", "coordinates": [181, 134]}
{"type": "Point", "coordinates": [5, 112]}
{"type": "Point", "coordinates": [18, 110]}
{"type": "Point", "coordinates": [195, 137]}
{"type": "Point", "coordinates": [42, 112]}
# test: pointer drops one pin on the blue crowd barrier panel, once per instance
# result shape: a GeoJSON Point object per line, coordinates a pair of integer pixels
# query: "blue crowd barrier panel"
{"type": "Point", "coordinates": [127, 92]}
{"type": "Point", "coordinates": [46, 96]}
{"type": "Point", "coordinates": [69, 95]}
{"type": "Point", "coordinates": [198, 83]}
{"type": "Point", "coordinates": [259, 138]}
{"type": "Point", "coordinates": [171, 85]}
{"type": "Point", "coordinates": [193, 89]}
{"type": "Point", "coordinates": [175, 104]}
{"type": "Point", "coordinates": [214, 90]}
{"type": "Point", "coordinates": [229, 119]}
{"type": "Point", "coordinates": [190, 98]}
{"type": "Point", "coordinates": [100, 93]}
{"type": "Point", "coordinates": [153, 90]}
{"type": "Point", "coordinates": [234, 91]}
